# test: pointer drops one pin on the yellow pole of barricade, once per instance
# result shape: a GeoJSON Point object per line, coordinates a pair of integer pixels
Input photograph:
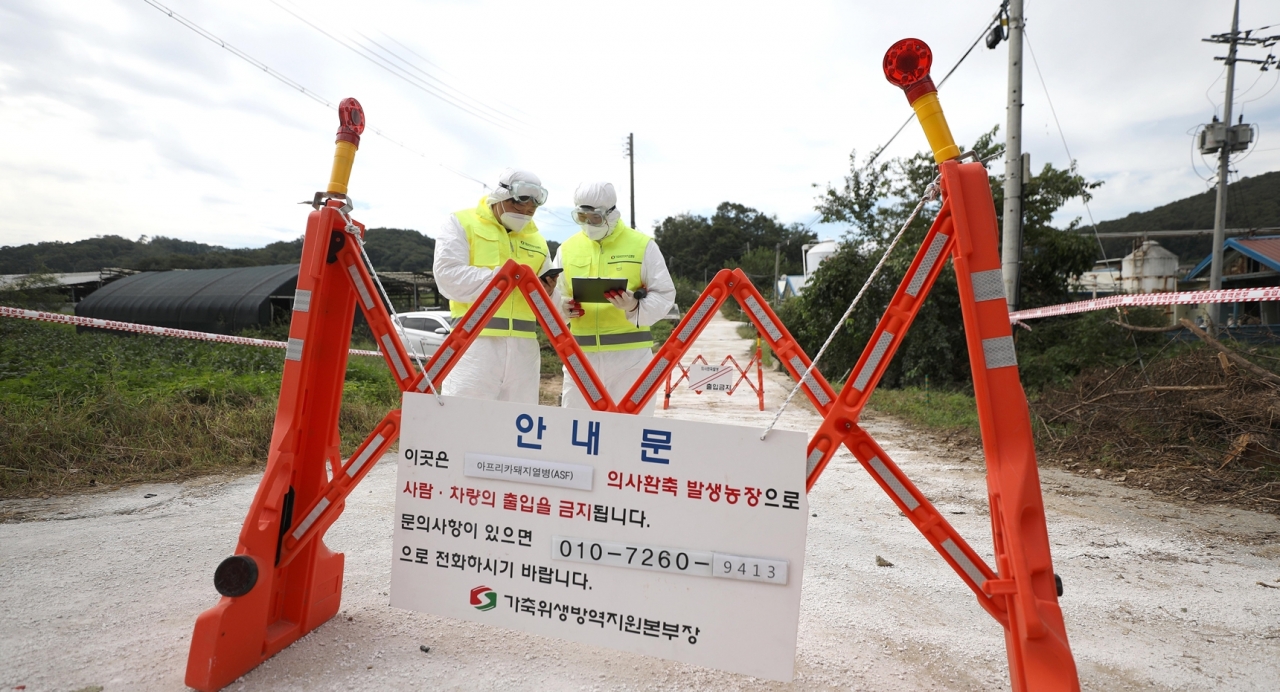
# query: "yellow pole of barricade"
{"type": "Point", "coordinates": [906, 65]}
{"type": "Point", "coordinates": [351, 119]}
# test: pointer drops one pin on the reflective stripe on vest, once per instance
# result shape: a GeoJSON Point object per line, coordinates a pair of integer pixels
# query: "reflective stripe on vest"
{"type": "Point", "coordinates": [490, 245]}
{"type": "Point", "coordinates": [619, 256]}
{"type": "Point", "coordinates": [504, 324]}
{"type": "Point", "coordinates": [615, 339]}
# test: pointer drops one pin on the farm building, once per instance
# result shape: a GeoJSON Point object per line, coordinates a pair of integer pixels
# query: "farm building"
{"type": "Point", "coordinates": [222, 301]}
{"type": "Point", "coordinates": [1252, 262]}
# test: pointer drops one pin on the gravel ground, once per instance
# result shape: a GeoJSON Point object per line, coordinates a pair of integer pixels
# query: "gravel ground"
{"type": "Point", "coordinates": [101, 591]}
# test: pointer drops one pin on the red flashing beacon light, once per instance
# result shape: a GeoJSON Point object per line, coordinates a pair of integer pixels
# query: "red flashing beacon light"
{"type": "Point", "coordinates": [350, 125]}
{"type": "Point", "coordinates": [351, 121]}
{"type": "Point", "coordinates": [906, 65]}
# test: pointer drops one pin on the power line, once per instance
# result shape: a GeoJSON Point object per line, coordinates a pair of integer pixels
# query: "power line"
{"type": "Point", "coordinates": [468, 104]}
{"type": "Point", "coordinates": [443, 84]}
{"type": "Point", "coordinates": [876, 154]}
{"type": "Point", "coordinates": [1210, 88]}
{"type": "Point", "coordinates": [240, 54]}
{"type": "Point", "coordinates": [1071, 160]}
{"type": "Point", "coordinates": [289, 82]}
{"type": "Point", "coordinates": [1255, 98]}
{"type": "Point", "coordinates": [442, 68]}
{"type": "Point", "coordinates": [395, 71]}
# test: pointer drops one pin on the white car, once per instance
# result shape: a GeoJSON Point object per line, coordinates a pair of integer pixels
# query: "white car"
{"type": "Point", "coordinates": [424, 331]}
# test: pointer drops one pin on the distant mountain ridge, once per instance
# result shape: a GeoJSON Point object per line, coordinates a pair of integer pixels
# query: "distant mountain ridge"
{"type": "Point", "coordinates": [390, 249]}
{"type": "Point", "coordinates": [1251, 203]}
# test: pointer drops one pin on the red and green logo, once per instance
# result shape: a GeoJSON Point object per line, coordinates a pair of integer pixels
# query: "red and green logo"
{"type": "Point", "coordinates": [484, 598]}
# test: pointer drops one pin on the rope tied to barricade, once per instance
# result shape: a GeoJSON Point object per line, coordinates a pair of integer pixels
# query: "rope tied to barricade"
{"type": "Point", "coordinates": [930, 193]}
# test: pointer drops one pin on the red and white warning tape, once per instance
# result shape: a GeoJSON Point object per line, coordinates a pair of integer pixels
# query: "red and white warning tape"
{"type": "Point", "coordinates": [39, 316]}
{"type": "Point", "coordinates": [1231, 295]}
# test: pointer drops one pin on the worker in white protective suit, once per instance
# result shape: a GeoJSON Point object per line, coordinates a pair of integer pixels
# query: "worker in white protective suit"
{"type": "Point", "coordinates": [615, 335]}
{"type": "Point", "coordinates": [503, 362]}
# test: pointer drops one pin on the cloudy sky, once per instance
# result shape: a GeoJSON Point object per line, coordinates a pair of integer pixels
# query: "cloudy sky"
{"type": "Point", "coordinates": [117, 119]}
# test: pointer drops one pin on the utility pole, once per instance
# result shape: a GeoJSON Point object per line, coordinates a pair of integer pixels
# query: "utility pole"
{"type": "Point", "coordinates": [1011, 242]}
{"type": "Point", "coordinates": [1224, 162]}
{"type": "Point", "coordinates": [1224, 138]}
{"type": "Point", "coordinates": [631, 156]}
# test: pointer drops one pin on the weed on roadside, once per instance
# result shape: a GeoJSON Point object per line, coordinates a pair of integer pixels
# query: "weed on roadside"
{"type": "Point", "coordinates": [86, 410]}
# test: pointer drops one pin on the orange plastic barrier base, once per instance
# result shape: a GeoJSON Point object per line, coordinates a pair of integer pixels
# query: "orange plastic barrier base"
{"type": "Point", "coordinates": [285, 601]}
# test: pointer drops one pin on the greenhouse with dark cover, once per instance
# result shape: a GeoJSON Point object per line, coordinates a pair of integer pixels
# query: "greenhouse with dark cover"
{"type": "Point", "coordinates": [222, 301]}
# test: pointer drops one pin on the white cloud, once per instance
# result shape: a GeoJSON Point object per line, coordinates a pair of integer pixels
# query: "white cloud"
{"type": "Point", "coordinates": [119, 120]}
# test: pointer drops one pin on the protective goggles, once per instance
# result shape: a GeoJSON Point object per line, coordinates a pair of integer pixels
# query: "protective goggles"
{"type": "Point", "coordinates": [523, 193]}
{"type": "Point", "coordinates": [591, 216]}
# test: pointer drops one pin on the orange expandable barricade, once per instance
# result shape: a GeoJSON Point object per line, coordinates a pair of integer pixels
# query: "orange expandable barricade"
{"type": "Point", "coordinates": [283, 582]}
{"type": "Point", "coordinates": [742, 374]}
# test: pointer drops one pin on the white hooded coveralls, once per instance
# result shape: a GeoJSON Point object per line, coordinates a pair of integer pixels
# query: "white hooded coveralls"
{"type": "Point", "coordinates": [497, 368]}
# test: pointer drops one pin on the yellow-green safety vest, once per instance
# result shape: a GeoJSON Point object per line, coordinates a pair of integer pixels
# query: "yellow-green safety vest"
{"type": "Point", "coordinates": [603, 327]}
{"type": "Point", "coordinates": [491, 246]}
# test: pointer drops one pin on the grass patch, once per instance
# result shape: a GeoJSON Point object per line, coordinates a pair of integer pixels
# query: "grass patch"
{"type": "Point", "coordinates": [732, 311]}
{"type": "Point", "coordinates": [93, 409]}
{"type": "Point", "coordinates": [940, 411]}
{"type": "Point", "coordinates": [748, 331]}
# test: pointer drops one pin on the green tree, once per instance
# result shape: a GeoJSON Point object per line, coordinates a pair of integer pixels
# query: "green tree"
{"type": "Point", "coordinates": [390, 249]}
{"type": "Point", "coordinates": [35, 291]}
{"type": "Point", "coordinates": [736, 235]}
{"type": "Point", "coordinates": [399, 250]}
{"type": "Point", "coordinates": [875, 200]}
{"type": "Point", "coordinates": [1050, 255]}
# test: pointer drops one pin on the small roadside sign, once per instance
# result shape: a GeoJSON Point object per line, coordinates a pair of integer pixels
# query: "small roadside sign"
{"type": "Point", "coordinates": [676, 539]}
{"type": "Point", "coordinates": [711, 378]}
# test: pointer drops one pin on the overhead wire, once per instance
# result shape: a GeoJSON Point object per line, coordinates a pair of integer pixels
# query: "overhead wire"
{"type": "Point", "coordinates": [241, 54]}
{"type": "Point", "coordinates": [1268, 91]}
{"type": "Point", "coordinates": [1070, 159]}
{"type": "Point", "coordinates": [1252, 84]}
{"type": "Point", "coordinates": [397, 72]}
{"type": "Point", "coordinates": [443, 68]}
{"type": "Point", "coordinates": [1209, 88]}
{"type": "Point", "coordinates": [512, 123]}
{"type": "Point", "coordinates": [1072, 162]}
{"type": "Point", "coordinates": [204, 33]}
{"type": "Point", "coordinates": [443, 84]}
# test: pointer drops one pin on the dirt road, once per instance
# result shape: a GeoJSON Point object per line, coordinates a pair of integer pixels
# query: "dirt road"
{"type": "Point", "coordinates": [102, 590]}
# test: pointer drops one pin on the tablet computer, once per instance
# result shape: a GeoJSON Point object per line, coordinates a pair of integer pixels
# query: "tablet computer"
{"type": "Point", "coordinates": [590, 290]}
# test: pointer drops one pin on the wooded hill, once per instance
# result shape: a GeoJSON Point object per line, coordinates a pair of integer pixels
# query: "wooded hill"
{"type": "Point", "coordinates": [1251, 203]}
{"type": "Point", "coordinates": [390, 249]}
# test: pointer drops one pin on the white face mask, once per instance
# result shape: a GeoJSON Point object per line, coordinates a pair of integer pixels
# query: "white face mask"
{"type": "Point", "coordinates": [515, 222]}
{"type": "Point", "coordinates": [596, 233]}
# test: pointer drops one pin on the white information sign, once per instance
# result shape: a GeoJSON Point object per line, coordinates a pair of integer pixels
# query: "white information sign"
{"type": "Point", "coordinates": [670, 538]}
{"type": "Point", "coordinates": [711, 378]}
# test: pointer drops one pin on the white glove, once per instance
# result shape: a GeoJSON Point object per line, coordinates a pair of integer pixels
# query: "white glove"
{"type": "Point", "coordinates": [572, 308]}
{"type": "Point", "coordinates": [623, 300]}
